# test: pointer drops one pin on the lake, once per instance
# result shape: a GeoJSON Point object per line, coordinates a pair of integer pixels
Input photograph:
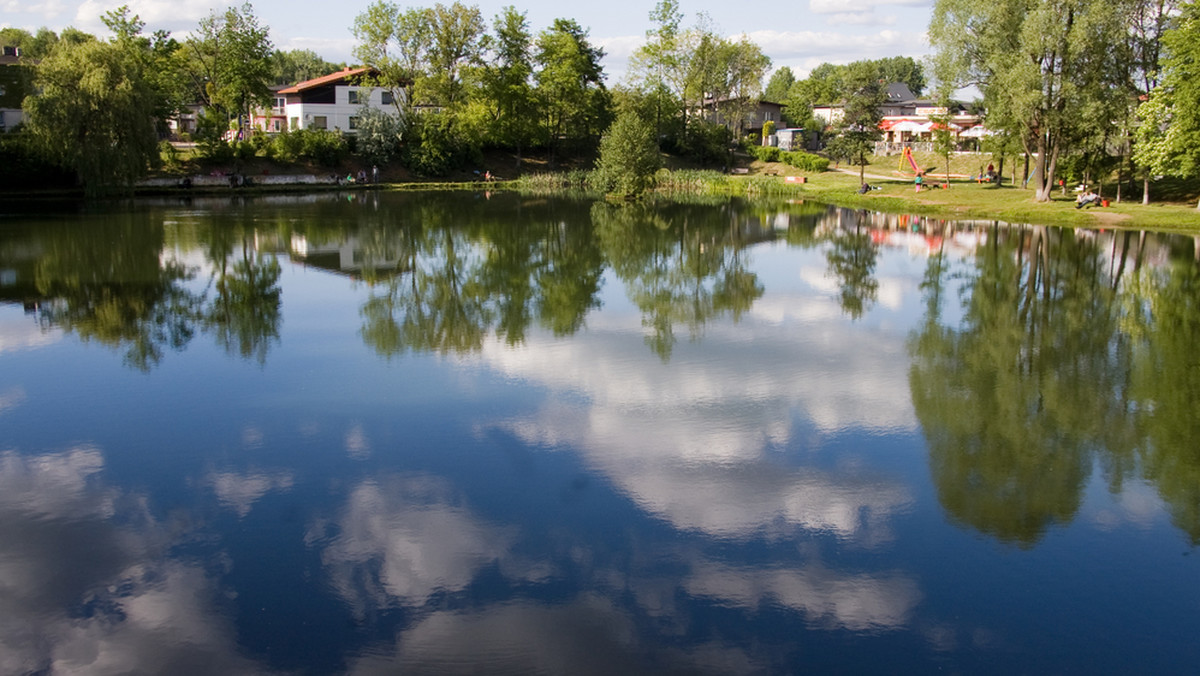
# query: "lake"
{"type": "Point", "coordinates": [489, 433]}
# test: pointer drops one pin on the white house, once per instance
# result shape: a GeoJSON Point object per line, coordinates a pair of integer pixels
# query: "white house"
{"type": "Point", "coordinates": [333, 101]}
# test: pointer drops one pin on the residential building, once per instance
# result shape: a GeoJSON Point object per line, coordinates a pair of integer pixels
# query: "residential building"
{"type": "Point", "coordinates": [15, 79]}
{"type": "Point", "coordinates": [331, 102]}
{"type": "Point", "coordinates": [740, 118]}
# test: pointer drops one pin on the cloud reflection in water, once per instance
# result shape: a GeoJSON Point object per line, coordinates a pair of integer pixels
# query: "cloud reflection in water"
{"type": "Point", "coordinates": [85, 587]}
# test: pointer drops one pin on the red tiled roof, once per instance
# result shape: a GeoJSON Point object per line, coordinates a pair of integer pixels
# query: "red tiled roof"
{"type": "Point", "coordinates": [324, 80]}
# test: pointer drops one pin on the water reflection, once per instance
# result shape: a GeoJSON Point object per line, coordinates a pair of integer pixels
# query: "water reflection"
{"type": "Point", "coordinates": [401, 540]}
{"type": "Point", "coordinates": [1047, 372]}
{"type": "Point", "coordinates": [85, 586]}
{"type": "Point", "coordinates": [578, 489]}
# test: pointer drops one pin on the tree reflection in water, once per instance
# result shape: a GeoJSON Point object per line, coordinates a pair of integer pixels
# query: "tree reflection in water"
{"type": "Point", "coordinates": [1057, 364]}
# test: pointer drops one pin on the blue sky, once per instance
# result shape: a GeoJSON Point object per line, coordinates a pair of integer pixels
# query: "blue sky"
{"type": "Point", "coordinates": [799, 35]}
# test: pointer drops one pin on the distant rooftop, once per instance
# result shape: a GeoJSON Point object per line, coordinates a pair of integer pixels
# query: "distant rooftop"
{"type": "Point", "coordinates": [324, 80]}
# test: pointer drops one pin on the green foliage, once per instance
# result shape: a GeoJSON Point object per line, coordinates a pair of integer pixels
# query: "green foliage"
{"type": "Point", "coordinates": [323, 146]}
{"type": "Point", "coordinates": [765, 153]}
{"type": "Point", "coordinates": [95, 114]}
{"type": "Point", "coordinates": [378, 135]}
{"type": "Point", "coordinates": [231, 56]}
{"type": "Point", "coordinates": [859, 127]}
{"type": "Point", "coordinates": [704, 142]}
{"type": "Point", "coordinates": [805, 161]}
{"type": "Point", "coordinates": [628, 156]}
{"type": "Point", "coordinates": [23, 166]}
{"type": "Point", "coordinates": [1168, 140]}
{"type": "Point", "coordinates": [432, 146]}
{"type": "Point", "coordinates": [1050, 71]}
{"type": "Point", "coordinates": [297, 65]}
{"type": "Point", "coordinates": [574, 101]}
{"type": "Point", "coordinates": [780, 83]}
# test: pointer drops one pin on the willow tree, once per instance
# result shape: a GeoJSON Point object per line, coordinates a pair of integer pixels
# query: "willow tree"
{"type": "Point", "coordinates": [1047, 66]}
{"type": "Point", "coordinates": [95, 114]}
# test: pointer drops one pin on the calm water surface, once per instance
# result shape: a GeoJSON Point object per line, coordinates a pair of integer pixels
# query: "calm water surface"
{"type": "Point", "coordinates": [461, 433]}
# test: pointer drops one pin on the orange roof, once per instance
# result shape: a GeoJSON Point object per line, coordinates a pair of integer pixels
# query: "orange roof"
{"type": "Point", "coordinates": [324, 80]}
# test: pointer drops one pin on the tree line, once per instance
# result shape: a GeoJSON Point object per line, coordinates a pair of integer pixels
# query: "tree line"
{"type": "Point", "coordinates": [1100, 88]}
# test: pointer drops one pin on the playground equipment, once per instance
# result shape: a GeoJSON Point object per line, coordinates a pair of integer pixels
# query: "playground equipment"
{"type": "Point", "coordinates": [907, 155]}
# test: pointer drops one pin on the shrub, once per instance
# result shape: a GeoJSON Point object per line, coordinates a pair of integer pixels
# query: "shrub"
{"type": "Point", "coordinates": [628, 156]}
{"type": "Point", "coordinates": [288, 146]}
{"type": "Point", "coordinates": [322, 146]}
{"type": "Point", "coordinates": [378, 135]}
{"type": "Point", "coordinates": [765, 153]}
{"type": "Point", "coordinates": [805, 161]}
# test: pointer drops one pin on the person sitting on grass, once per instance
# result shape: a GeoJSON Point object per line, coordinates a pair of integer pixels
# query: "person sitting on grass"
{"type": "Point", "coordinates": [1087, 198]}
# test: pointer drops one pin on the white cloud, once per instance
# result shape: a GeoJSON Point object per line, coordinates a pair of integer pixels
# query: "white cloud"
{"type": "Point", "coordinates": [24, 333]}
{"type": "Point", "coordinates": [176, 16]}
{"type": "Point", "coordinates": [12, 398]}
{"type": "Point", "coordinates": [404, 539]}
{"type": "Point", "coordinates": [860, 6]}
{"type": "Point", "coordinates": [65, 544]}
{"type": "Point", "coordinates": [48, 10]}
{"type": "Point", "coordinates": [54, 485]}
{"type": "Point", "coordinates": [330, 49]}
{"type": "Point", "coordinates": [239, 492]}
{"type": "Point", "coordinates": [857, 602]}
{"type": "Point", "coordinates": [860, 19]}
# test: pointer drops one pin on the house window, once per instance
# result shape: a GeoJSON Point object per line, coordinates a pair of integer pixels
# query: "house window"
{"type": "Point", "coordinates": [387, 99]}
{"type": "Point", "coordinates": [353, 123]}
{"type": "Point", "coordinates": [295, 124]}
{"type": "Point", "coordinates": [768, 116]}
{"type": "Point", "coordinates": [276, 125]}
{"type": "Point", "coordinates": [354, 97]}
{"type": "Point", "coordinates": [280, 103]}
{"type": "Point", "coordinates": [319, 122]}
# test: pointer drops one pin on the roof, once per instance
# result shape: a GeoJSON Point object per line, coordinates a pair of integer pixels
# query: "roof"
{"type": "Point", "coordinates": [898, 92]}
{"type": "Point", "coordinates": [325, 80]}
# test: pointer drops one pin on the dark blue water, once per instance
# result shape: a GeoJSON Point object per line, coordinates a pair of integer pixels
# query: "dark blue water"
{"type": "Point", "coordinates": [462, 433]}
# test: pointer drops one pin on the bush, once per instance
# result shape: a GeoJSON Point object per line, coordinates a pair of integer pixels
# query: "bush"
{"type": "Point", "coordinates": [805, 161]}
{"type": "Point", "coordinates": [288, 146]}
{"type": "Point", "coordinates": [244, 150]}
{"type": "Point", "coordinates": [765, 153]}
{"type": "Point", "coordinates": [434, 145]}
{"type": "Point", "coordinates": [322, 146]}
{"type": "Point", "coordinates": [378, 135]}
{"type": "Point", "coordinates": [628, 156]}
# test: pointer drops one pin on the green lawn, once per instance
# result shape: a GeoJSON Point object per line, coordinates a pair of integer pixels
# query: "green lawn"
{"type": "Point", "coordinates": [968, 199]}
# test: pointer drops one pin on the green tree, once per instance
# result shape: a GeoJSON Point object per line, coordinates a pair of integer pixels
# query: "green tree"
{"type": "Point", "coordinates": [628, 155]}
{"type": "Point", "coordinates": [289, 66]}
{"type": "Point", "coordinates": [244, 316]}
{"type": "Point", "coordinates": [95, 114]}
{"type": "Point", "coordinates": [1014, 399]}
{"type": "Point", "coordinates": [1048, 68]}
{"type": "Point", "coordinates": [852, 257]}
{"type": "Point", "coordinates": [395, 44]}
{"type": "Point", "coordinates": [658, 67]}
{"type": "Point", "coordinates": [779, 85]}
{"type": "Point", "coordinates": [231, 63]}
{"type": "Point", "coordinates": [506, 92]}
{"type": "Point", "coordinates": [1168, 139]}
{"type": "Point", "coordinates": [456, 33]}
{"type": "Point", "coordinates": [859, 127]}
{"type": "Point", "coordinates": [570, 85]}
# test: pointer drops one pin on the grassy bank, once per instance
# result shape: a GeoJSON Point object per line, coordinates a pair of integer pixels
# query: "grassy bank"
{"type": "Point", "coordinates": [969, 199]}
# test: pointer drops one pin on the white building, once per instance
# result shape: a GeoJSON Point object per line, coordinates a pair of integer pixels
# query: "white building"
{"type": "Point", "coordinates": [333, 101]}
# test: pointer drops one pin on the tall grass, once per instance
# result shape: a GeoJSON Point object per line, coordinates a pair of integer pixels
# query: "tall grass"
{"type": "Point", "coordinates": [695, 181]}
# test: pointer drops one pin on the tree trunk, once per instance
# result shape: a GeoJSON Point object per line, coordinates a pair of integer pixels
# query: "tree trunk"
{"type": "Point", "coordinates": [1146, 188]}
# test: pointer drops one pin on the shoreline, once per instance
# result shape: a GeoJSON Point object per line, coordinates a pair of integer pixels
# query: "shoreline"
{"type": "Point", "coordinates": [964, 200]}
